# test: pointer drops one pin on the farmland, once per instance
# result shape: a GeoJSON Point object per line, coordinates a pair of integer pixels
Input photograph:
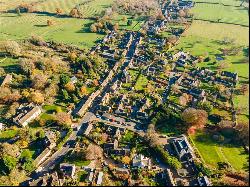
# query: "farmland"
{"type": "Point", "coordinates": [64, 29]}
{"type": "Point", "coordinates": [213, 152]}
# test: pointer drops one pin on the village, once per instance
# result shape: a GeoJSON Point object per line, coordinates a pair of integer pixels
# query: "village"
{"type": "Point", "coordinates": [110, 137]}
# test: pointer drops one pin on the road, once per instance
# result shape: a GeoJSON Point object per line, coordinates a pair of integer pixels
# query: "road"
{"type": "Point", "coordinates": [50, 163]}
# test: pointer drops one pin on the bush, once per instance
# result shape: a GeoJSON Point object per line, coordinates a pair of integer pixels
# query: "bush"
{"type": "Point", "coordinates": [169, 160]}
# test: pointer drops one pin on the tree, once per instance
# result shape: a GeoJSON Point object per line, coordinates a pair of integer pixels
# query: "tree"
{"type": "Point", "coordinates": [36, 97]}
{"type": "Point", "coordinates": [70, 87]}
{"type": "Point", "coordinates": [93, 28]}
{"type": "Point", "coordinates": [49, 22]}
{"type": "Point", "coordinates": [130, 22]}
{"type": "Point", "coordinates": [39, 81]}
{"type": "Point", "coordinates": [58, 11]}
{"type": "Point", "coordinates": [151, 136]}
{"type": "Point", "coordinates": [205, 106]}
{"type": "Point", "coordinates": [243, 132]}
{"type": "Point", "coordinates": [9, 162]}
{"type": "Point", "coordinates": [13, 48]}
{"type": "Point", "coordinates": [94, 152]}
{"type": "Point", "coordinates": [27, 65]}
{"type": "Point", "coordinates": [116, 27]}
{"type": "Point", "coordinates": [84, 90]}
{"type": "Point", "coordinates": [124, 19]}
{"type": "Point", "coordinates": [9, 149]}
{"type": "Point", "coordinates": [2, 72]}
{"type": "Point", "coordinates": [244, 89]}
{"type": "Point", "coordinates": [63, 119]}
{"type": "Point", "coordinates": [73, 56]}
{"type": "Point", "coordinates": [74, 13]}
{"type": "Point", "coordinates": [193, 117]}
{"type": "Point", "coordinates": [126, 160]}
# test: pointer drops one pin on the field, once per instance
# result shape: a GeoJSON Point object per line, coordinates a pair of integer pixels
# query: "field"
{"type": "Point", "coordinates": [226, 11]}
{"type": "Point", "coordinates": [67, 30]}
{"type": "Point", "coordinates": [213, 152]}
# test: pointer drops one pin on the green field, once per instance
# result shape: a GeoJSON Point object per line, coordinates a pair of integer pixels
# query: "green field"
{"type": "Point", "coordinates": [228, 11]}
{"type": "Point", "coordinates": [67, 30]}
{"type": "Point", "coordinates": [213, 152]}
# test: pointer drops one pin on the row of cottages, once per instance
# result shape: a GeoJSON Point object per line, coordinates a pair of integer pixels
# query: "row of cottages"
{"type": "Point", "coordinates": [226, 78]}
{"type": "Point", "coordinates": [49, 143]}
{"type": "Point", "coordinates": [94, 177]}
{"type": "Point", "coordinates": [186, 155]}
{"type": "Point", "coordinates": [47, 180]}
{"type": "Point", "coordinates": [7, 80]}
{"type": "Point", "coordinates": [66, 171]}
{"type": "Point", "coordinates": [92, 97]}
{"type": "Point", "coordinates": [26, 114]}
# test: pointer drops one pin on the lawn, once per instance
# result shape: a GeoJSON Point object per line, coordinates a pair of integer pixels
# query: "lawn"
{"type": "Point", "coordinates": [8, 134]}
{"type": "Point", "coordinates": [141, 82]}
{"type": "Point", "coordinates": [213, 152]}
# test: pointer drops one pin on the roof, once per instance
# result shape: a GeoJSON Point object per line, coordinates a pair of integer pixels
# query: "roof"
{"type": "Point", "coordinates": [7, 79]}
{"type": "Point", "coordinates": [68, 169]}
{"type": "Point", "coordinates": [141, 161]}
{"type": "Point", "coordinates": [203, 181]}
{"type": "Point", "coordinates": [99, 178]}
{"type": "Point", "coordinates": [24, 117]}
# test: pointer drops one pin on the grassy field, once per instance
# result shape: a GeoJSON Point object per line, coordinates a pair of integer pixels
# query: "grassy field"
{"type": "Point", "coordinates": [228, 11]}
{"type": "Point", "coordinates": [213, 152]}
{"type": "Point", "coordinates": [67, 30]}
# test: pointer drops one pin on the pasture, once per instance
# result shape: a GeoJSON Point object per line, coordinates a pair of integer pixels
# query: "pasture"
{"type": "Point", "coordinates": [213, 152]}
{"type": "Point", "coordinates": [64, 29]}
{"type": "Point", "coordinates": [226, 11]}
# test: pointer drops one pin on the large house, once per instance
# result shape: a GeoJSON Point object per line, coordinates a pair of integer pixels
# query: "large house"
{"type": "Point", "coordinates": [139, 161]}
{"type": "Point", "coordinates": [27, 114]}
{"type": "Point", "coordinates": [68, 170]}
{"type": "Point", "coordinates": [7, 80]}
{"type": "Point", "coordinates": [183, 148]}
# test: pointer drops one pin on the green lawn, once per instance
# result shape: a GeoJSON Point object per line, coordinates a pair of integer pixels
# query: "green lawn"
{"type": "Point", "coordinates": [213, 152]}
{"type": "Point", "coordinates": [8, 134]}
{"type": "Point", "coordinates": [141, 82]}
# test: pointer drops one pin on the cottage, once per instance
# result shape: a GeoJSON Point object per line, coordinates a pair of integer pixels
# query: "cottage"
{"type": "Point", "coordinates": [27, 114]}
{"type": "Point", "coordinates": [68, 170]}
{"type": "Point", "coordinates": [113, 145]}
{"type": "Point", "coordinates": [87, 127]}
{"type": "Point", "coordinates": [139, 161]}
{"type": "Point", "coordinates": [2, 126]}
{"type": "Point", "coordinates": [200, 94]}
{"type": "Point", "coordinates": [99, 178]}
{"type": "Point", "coordinates": [7, 80]}
{"type": "Point", "coordinates": [202, 181]}
{"type": "Point", "coordinates": [73, 80]}
{"type": "Point", "coordinates": [47, 180]}
{"type": "Point", "coordinates": [50, 139]}
{"type": "Point", "coordinates": [42, 157]}
{"type": "Point", "coordinates": [183, 148]}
